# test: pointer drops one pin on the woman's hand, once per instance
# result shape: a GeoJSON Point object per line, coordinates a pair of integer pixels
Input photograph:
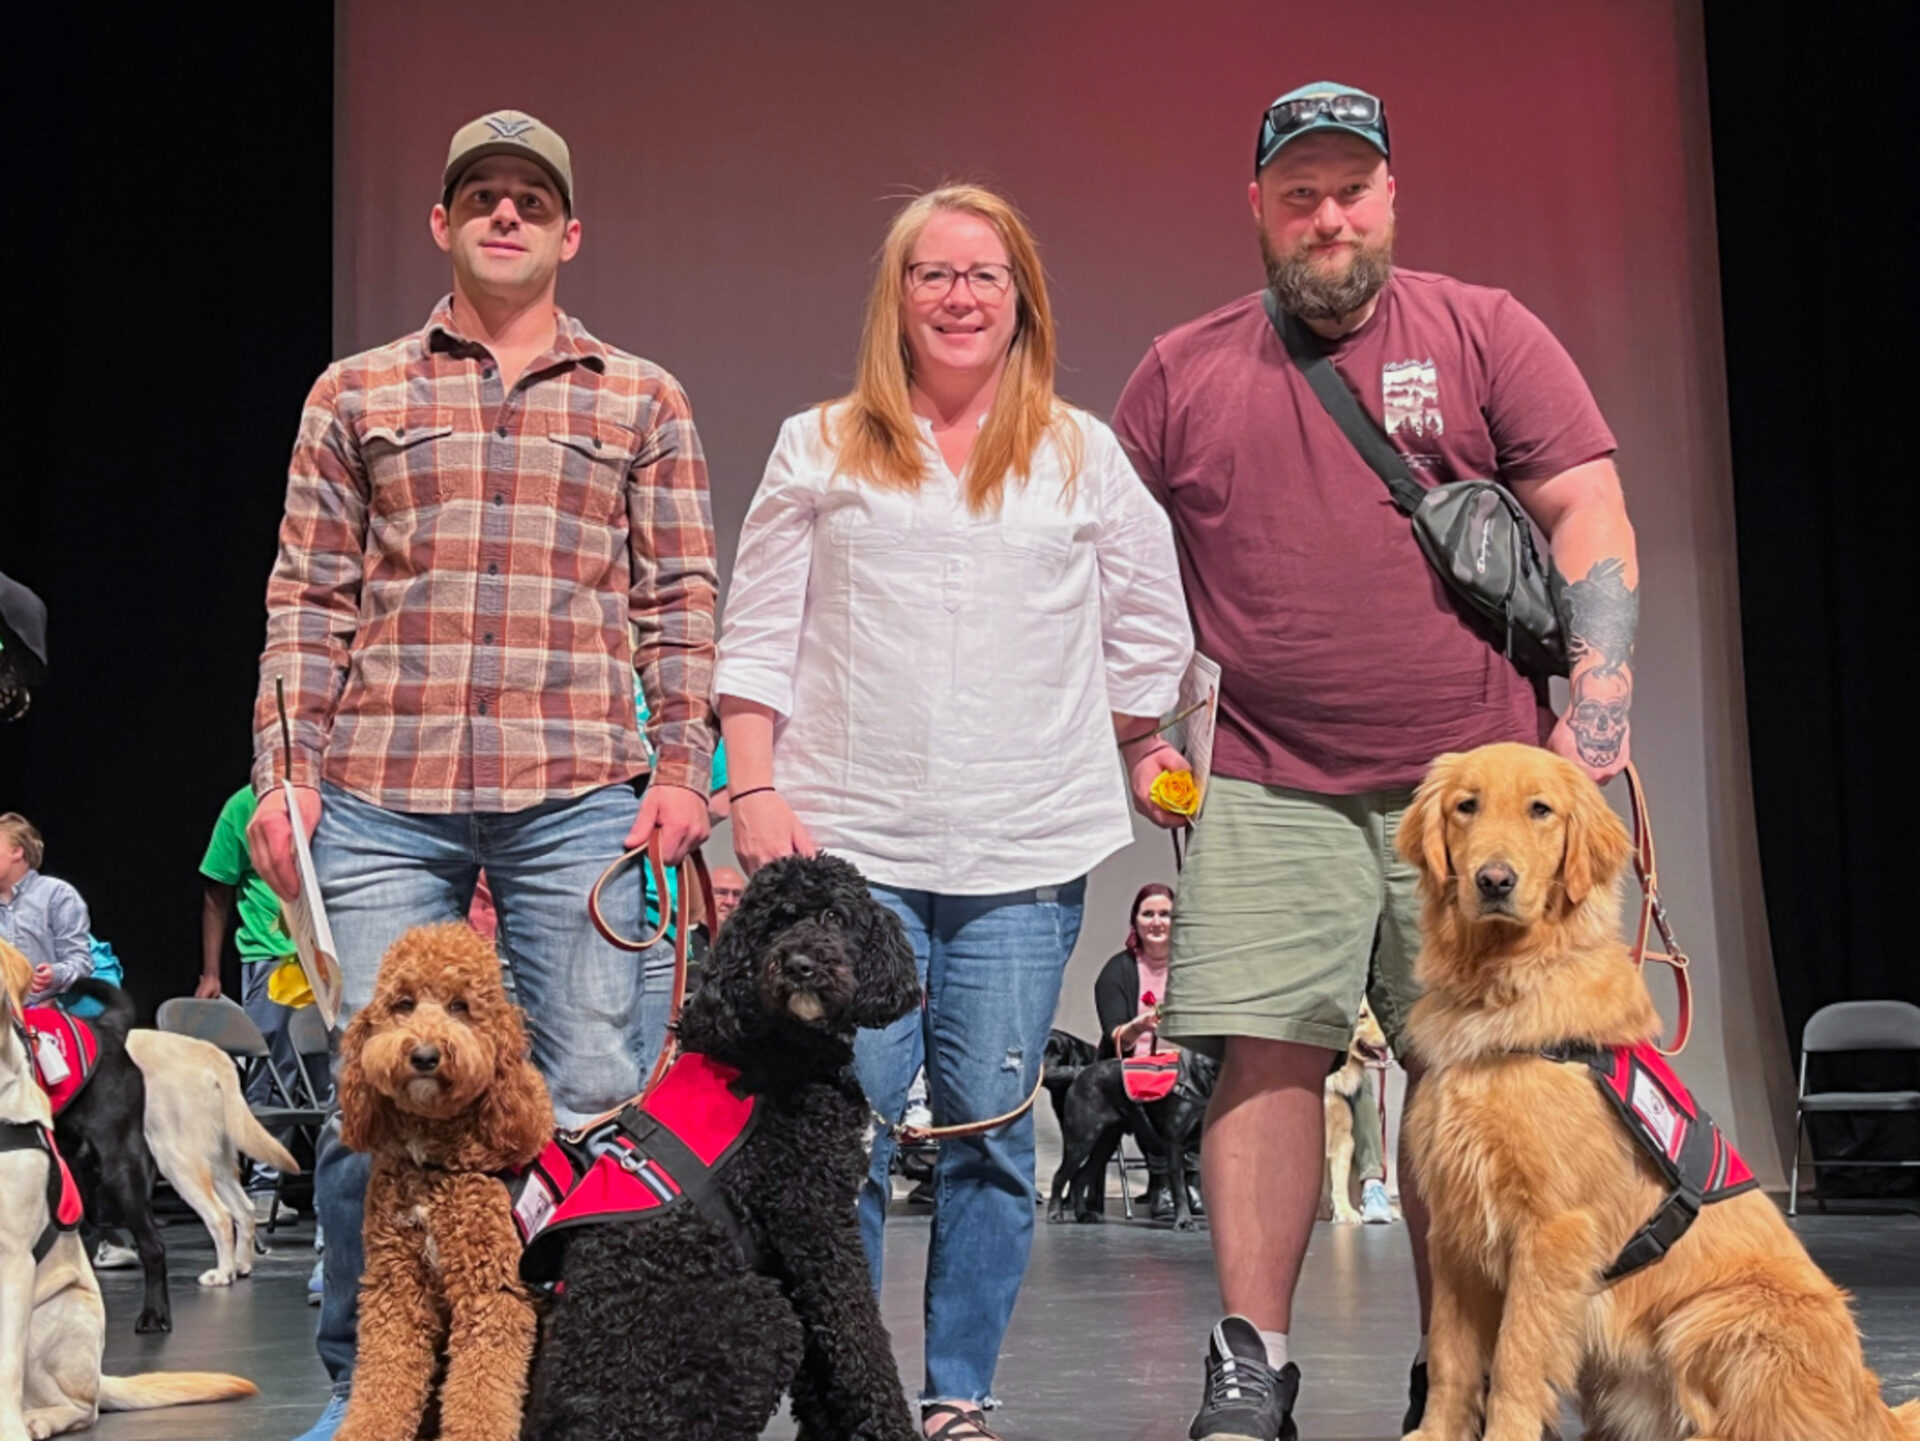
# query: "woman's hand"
{"type": "Point", "coordinates": [765, 829]}
{"type": "Point", "coordinates": [1127, 1035]}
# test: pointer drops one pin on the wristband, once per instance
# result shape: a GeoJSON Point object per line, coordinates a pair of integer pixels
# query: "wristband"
{"type": "Point", "coordinates": [742, 795]}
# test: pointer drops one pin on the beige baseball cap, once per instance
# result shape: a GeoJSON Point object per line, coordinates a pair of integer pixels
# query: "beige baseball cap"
{"type": "Point", "coordinates": [509, 132]}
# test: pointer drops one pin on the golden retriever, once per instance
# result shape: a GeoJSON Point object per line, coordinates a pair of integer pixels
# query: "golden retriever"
{"type": "Point", "coordinates": [1535, 1185]}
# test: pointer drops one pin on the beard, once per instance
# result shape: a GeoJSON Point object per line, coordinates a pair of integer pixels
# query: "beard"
{"type": "Point", "coordinates": [1305, 290]}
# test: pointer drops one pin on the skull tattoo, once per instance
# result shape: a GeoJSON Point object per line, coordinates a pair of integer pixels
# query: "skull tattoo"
{"type": "Point", "coordinates": [1601, 699]}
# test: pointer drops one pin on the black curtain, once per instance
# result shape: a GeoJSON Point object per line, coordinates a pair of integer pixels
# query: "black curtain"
{"type": "Point", "coordinates": [168, 276]}
{"type": "Point", "coordinates": [1814, 165]}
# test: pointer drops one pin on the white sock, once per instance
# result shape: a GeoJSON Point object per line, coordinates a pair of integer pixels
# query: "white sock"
{"type": "Point", "coordinates": [1420, 1356]}
{"type": "Point", "coordinates": [1276, 1344]}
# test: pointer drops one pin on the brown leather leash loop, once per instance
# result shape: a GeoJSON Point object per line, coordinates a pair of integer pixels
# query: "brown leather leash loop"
{"type": "Point", "coordinates": [914, 1135]}
{"type": "Point", "coordinates": [1653, 914]}
{"type": "Point", "coordinates": [691, 874]}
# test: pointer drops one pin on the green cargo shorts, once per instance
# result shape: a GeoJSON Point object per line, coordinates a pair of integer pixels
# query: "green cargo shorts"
{"type": "Point", "coordinates": [1292, 907]}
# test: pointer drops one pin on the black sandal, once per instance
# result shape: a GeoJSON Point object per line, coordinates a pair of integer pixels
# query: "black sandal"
{"type": "Point", "coordinates": [963, 1423]}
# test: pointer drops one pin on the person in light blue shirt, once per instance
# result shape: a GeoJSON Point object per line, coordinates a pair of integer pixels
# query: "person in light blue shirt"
{"type": "Point", "coordinates": [40, 916]}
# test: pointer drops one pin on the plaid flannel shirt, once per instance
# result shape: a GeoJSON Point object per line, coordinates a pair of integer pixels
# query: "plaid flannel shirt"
{"type": "Point", "coordinates": [468, 578]}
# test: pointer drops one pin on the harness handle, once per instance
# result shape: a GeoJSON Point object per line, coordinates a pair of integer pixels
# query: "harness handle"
{"type": "Point", "coordinates": [692, 875]}
{"type": "Point", "coordinates": [1653, 914]}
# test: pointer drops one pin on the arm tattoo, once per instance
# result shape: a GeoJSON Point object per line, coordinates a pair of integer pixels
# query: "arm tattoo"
{"type": "Point", "coordinates": [1601, 614]}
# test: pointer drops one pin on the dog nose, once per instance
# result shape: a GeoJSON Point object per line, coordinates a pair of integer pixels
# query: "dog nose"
{"type": "Point", "coordinates": [424, 1058]}
{"type": "Point", "coordinates": [1496, 880]}
{"type": "Point", "coordinates": [802, 967]}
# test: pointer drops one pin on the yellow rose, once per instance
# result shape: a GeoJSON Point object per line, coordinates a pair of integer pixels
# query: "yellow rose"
{"type": "Point", "coordinates": [1174, 791]}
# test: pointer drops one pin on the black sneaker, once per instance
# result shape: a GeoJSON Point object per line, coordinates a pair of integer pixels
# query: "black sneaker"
{"type": "Point", "coordinates": [1417, 1404]}
{"type": "Point", "coordinates": [1416, 1398]}
{"type": "Point", "coordinates": [1246, 1399]}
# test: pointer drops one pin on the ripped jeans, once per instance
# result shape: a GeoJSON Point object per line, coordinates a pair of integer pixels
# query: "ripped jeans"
{"type": "Point", "coordinates": [991, 967]}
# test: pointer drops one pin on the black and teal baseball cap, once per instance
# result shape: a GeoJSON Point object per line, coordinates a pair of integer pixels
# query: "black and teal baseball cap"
{"type": "Point", "coordinates": [1323, 105]}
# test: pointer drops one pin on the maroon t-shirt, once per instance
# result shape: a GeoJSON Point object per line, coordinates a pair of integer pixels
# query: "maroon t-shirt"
{"type": "Point", "coordinates": [1347, 664]}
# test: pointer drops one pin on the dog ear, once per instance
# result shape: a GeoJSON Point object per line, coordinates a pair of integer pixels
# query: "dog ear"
{"type": "Point", "coordinates": [516, 1114]}
{"type": "Point", "coordinates": [1422, 837]}
{"type": "Point", "coordinates": [713, 1019]}
{"type": "Point", "coordinates": [365, 1124]}
{"type": "Point", "coordinates": [886, 973]}
{"type": "Point", "coordinates": [1598, 845]}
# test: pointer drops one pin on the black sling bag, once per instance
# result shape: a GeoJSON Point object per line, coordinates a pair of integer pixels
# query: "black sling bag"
{"type": "Point", "coordinates": [1473, 532]}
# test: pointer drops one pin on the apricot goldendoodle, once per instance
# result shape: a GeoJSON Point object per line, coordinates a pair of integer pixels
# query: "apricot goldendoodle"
{"type": "Point", "coordinates": [1541, 1195]}
{"type": "Point", "coordinates": [436, 1084]}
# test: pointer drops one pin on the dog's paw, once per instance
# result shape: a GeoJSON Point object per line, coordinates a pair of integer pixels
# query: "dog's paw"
{"type": "Point", "coordinates": [152, 1322]}
{"type": "Point", "coordinates": [1345, 1216]}
{"type": "Point", "coordinates": [1189, 1224]}
{"type": "Point", "coordinates": [216, 1277]}
{"type": "Point", "coordinates": [1088, 1218]}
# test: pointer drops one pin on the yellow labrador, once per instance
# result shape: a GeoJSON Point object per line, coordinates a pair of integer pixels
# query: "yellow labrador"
{"type": "Point", "coordinates": [52, 1322]}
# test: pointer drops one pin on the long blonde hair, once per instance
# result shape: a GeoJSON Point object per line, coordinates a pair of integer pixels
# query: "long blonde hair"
{"type": "Point", "coordinates": [878, 440]}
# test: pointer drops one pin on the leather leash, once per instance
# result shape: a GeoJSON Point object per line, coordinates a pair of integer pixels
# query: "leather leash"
{"type": "Point", "coordinates": [1653, 914]}
{"type": "Point", "coordinates": [692, 874]}
{"type": "Point", "coordinates": [914, 1135]}
{"type": "Point", "coordinates": [694, 869]}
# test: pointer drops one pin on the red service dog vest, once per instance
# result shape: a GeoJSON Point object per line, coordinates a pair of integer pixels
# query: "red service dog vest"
{"type": "Point", "coordinates": [65, 1051]}
{"type": "Point", "coordinates": [656, 1154]}
{"type": "Point", "coordinates": [63, 1196]}
{"type": "Point", "coordinates": [1699, 1164]}
{"type": "Point", "coordinates": [1150, 1078]}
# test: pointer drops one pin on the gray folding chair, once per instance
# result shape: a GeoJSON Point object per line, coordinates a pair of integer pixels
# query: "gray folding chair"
{"type": "Point", "coordinates": [292, 1102]}
{"type": "Point", "coordinates": [312, 1042]}
{"type": "Point", "coordinates": [1851, 1026]}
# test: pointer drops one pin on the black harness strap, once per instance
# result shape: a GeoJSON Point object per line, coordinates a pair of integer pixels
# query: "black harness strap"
{"type": "Point", "coordinates": [31, 1136]}
{"type": "Point", "coordinates": [694, 1177]}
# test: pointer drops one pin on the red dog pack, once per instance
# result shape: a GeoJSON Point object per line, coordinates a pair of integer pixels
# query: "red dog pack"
{"type": "Point", "coordinates": [65, 1052]}
{"type": "Point", "coordinates": [1699, 1163]}
{"type": "Point", "coordinates": [662, 1152]}
{"type": "Point", "coordinates": [1150, 1078]}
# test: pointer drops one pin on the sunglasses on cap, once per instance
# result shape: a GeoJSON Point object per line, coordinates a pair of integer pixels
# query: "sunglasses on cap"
{"type": "Point", "coordinates": [1290, 115]}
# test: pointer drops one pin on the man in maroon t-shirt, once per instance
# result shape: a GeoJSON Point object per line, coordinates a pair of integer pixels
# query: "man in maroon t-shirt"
{"type": "Point", "coordinates": [1347, 667]}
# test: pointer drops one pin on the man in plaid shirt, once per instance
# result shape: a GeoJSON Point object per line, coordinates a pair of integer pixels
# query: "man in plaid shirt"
{"type": "Point", "coordinates": [492, 524]}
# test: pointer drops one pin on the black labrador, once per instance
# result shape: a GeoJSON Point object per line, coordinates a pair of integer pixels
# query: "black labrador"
{"type": "Point", "coordinates": [102, 1133]}
{"type": "Point", "coordinates": [1097, 1111]}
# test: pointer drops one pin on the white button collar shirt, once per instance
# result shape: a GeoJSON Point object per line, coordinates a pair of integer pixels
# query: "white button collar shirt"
{"type": "Point", "coordinates": [943, 681]}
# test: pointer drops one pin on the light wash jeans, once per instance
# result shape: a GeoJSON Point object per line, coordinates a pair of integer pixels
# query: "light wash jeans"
{"type": "Point", "coordinates": [596, 1015]}
{"type": "Point", "coordinates": [991, 967]}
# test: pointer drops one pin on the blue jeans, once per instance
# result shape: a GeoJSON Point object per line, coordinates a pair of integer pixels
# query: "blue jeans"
{"type": "Point", "coordinates": [991, 967]}
{"type": "Point", "coordinates": [596, 1015]}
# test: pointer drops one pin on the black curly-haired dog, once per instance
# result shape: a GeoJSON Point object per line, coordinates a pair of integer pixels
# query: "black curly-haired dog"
{"type": "Point", "coordinates": [661, 1330]}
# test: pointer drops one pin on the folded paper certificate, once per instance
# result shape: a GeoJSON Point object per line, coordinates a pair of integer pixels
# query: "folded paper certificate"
{"type": "Point", "coordinates": [1198, 708]}
{"type": "Point", "coordinates": [307, 922]}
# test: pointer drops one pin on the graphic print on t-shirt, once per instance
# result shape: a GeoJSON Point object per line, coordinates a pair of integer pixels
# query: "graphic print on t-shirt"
{"type": "Point", "coordinates": [1410, 402]}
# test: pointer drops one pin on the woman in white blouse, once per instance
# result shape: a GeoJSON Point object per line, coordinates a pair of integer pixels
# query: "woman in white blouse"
{"type": "Point", "coordinates": [952, 595]}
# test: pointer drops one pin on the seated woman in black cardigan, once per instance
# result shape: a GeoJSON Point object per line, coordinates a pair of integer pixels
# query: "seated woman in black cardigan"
{"type": "Point", "coordinates": [1127, 997]}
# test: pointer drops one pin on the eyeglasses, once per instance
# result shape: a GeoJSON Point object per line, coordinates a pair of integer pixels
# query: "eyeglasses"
{"type": "Point", "coordinates": [934, 279]}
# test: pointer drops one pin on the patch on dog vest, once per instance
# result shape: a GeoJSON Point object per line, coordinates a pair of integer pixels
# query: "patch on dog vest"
{"type": "Point", "coordinates": [65, 1052]}
{"type": "Point", "coordinates": [1152, 1077]}
{"type": "Point", "coordinates": [1699, 1163]}
{"type": "Point", "coordinates": [64, 1210]}
{"type": "Point", "coordinates": [662, 1152]}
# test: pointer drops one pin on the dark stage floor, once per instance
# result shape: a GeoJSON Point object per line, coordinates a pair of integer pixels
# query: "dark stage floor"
{"type": "Point", "coordinates": [1105, 1343]}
